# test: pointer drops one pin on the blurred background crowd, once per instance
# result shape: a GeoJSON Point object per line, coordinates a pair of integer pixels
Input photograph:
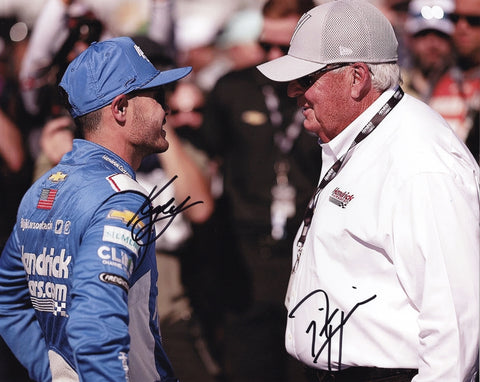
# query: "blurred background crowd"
{"type": "Point", "coordinates": [236, 139]}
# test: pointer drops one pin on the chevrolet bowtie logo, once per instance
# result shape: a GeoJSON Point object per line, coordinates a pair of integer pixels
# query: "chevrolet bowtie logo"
{"type": "Point", "coordinates": [57, 177]}
{"type": "Point", "coordinates": [126, 216]}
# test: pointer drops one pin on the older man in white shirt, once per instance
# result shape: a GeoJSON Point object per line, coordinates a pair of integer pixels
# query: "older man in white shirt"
{"type": "Point", "coordinates": [385, 271]}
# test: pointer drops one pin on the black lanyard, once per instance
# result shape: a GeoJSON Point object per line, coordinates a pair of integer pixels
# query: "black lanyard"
{"type": "Point", "coordinates": [333, 171]}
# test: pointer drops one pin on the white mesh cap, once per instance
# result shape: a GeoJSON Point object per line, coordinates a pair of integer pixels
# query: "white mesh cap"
{"type": "Point", "coordinates": [334, 32]}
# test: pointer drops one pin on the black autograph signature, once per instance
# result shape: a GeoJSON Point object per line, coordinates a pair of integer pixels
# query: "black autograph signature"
{"type": "Point", "coordinates": [324, 329]}
{"type": "Point", "coordinates": [147, 215]}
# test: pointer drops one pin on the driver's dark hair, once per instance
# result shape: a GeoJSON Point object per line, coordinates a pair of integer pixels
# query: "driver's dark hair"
{"type": "Point", "coordinates": [86, 123]}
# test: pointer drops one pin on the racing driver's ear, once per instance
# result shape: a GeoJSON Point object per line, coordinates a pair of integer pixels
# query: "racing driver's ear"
{"type": "Point", "coordinates": [119, 108]}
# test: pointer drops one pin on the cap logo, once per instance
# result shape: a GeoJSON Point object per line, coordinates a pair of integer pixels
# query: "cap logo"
{"type": "Point", "coordinates": [344, 51]}
{"type": "Point", "coordinates": [300, 23]}
{"type": "Point", "coordinates": [140, 52]}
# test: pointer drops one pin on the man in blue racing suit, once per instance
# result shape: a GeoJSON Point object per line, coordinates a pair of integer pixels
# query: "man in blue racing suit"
{"type": "Point", "coordinates": [78, 273]}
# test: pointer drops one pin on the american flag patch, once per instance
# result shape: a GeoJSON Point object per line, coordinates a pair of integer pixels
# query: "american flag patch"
{"type": "Point", "coordinates": [46, 199]}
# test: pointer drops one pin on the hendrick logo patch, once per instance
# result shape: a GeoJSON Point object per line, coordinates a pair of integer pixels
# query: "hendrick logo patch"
{"type": "Point", "coordinates": [340, 198]}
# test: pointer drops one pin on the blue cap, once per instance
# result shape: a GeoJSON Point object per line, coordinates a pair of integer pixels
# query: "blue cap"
{"type": "Point", "coordinates": [110, 68]}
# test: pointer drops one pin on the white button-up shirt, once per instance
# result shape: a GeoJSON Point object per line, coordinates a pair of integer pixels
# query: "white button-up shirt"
{"type": "Point", "coordinates": [389, 273]}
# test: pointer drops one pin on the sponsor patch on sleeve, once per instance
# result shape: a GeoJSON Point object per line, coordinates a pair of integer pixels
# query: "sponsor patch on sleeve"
{"type": "Point", "coordinates": [120, 236]}
{"type": "Point", "coordinates": [127, 217]}
{"type": "Point", "coordinates": [111, 278]}
{"type": "Point", "coordinates": [57, 177]}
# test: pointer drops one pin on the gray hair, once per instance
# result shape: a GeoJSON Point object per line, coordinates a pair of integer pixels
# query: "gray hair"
{"type": "Point", "coordinates": [385, 76]}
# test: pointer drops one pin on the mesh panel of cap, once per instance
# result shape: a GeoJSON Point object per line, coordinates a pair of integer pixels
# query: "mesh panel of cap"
{"type": "Point", "coordinates": [338, 31]}
{"type": "Point", "coordinates": [344, 31]}
{"type": "Point", "coordinates": [339, 41]}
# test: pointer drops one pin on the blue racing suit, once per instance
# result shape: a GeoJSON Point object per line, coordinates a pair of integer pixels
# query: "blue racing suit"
{"type": "Point", "coordinates": [78, 275]}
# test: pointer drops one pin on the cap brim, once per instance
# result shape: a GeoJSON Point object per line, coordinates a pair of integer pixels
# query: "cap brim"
{"type": "Point", "coordinates": [288, 68]}
{"type": "Point", "coordinates": [167, 76]}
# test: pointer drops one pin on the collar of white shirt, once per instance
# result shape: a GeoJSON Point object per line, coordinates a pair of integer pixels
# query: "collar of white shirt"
{"type": "Point", "coordinates": [339, 145]}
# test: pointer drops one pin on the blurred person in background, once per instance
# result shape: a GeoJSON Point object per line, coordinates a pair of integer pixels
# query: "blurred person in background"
{"type": "Point", "coordinates": [177, 306]}
{"type": "Point", "coordinates": [15, 162]}
{"type": "Point", "coordinates": [457, 95]}
{"type": "Point", "coordinates": [161, 25]}
{"type": "Point", "coordinates": [214, 37]}
{"type": "Point", "coordinates": [428, 38]}
{"type": "Point", "coordinates": [192, 302]}
{"type": "Point", "coordinates": [239, 38]}
{"type": "Point", "coordinates": [187, 105]}
{"type": "Point", "coordinates": [62, 30]}
{"type": "Point", "coordinates": [14, 159]}
{"type": "Point", "coordinates": [396, 11]}
{"type": "Point", "coordinates": [12, 152]}
{"type": "Point", "coordinates": [269, 166]}
{"type": "Point", "coordinates": [12, 187]}
{"type": "Point", "coordinates": [12, 175]}
{"type": "Point", "coordinates": [195, 44]}
{"type": "Point", "coordinates": [185, 268]}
